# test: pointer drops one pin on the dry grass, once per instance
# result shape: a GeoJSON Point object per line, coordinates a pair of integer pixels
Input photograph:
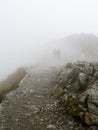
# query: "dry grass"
{"type": "Point", "coordinates": [11, 82]}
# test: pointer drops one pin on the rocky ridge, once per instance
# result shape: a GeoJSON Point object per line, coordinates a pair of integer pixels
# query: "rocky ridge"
{"type": "Point", "coordinates": [77, 90]}
{"type": "Point", "coordinates": [35, 106]}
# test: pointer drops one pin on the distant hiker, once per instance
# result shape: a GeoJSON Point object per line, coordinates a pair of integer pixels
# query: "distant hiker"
{"type": "Point", "coordinates": [56, 54]}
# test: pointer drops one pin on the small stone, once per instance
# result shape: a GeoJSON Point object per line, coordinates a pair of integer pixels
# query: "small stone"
{"type": "Point", "coordinates": [59, 91]}
{"type": "Point", "coordinates": [70, 123]}
{"type": "Point", "coordinates": [17, 120]}
{"type": "Point", "coordinates": [41, 119]}
{"type": "Point", "coordinates": [65, 98]}
{"type": "Point", "coordinates": [65, 90]}
{"type": "Point", "coordinates": [81, 114]}
{"type": "Point", "coordinates": [71, 127]}
{"type": "Point", "coordinates": [87, 119]}
{"type": "Point", "coordinates": [51, 127]}
{"type": "Point", "coordinates": [31, 90]}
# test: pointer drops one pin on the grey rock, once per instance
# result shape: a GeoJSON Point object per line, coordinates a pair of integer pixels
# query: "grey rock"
{"type": "Point", "coordinates": [51, 127]}
{"type": "Point", "coordinates": [89, 68]}
{"type": "Point", "coordinates": [96, 75]}
{"type": "Point", "coordinates": [94, 128]}
{"type": "Point", "coordinates": [83, 81]}
{"type": "Point", "coordinates": [81, 76]}
{"type": "Point", "coordinates": [58, 91]}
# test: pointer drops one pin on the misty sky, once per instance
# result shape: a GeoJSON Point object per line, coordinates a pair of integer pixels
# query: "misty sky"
{"type": "Point", "coordinates": [27, 25]}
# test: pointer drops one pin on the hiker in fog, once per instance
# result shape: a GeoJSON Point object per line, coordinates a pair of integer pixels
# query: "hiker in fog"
{"type": "Point", "coordinates": [56, 54]}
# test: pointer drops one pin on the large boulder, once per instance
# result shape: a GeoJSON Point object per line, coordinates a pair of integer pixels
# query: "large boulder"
{"type": "Point", "coordinates": [77, 89]}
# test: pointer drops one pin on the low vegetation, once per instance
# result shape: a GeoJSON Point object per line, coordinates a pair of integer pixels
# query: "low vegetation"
{"type": "Point", "coordinates": [11, 82]}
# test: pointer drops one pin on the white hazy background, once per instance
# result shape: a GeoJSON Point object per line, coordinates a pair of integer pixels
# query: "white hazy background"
{"type": "Point", "coordinates": [27, 28]}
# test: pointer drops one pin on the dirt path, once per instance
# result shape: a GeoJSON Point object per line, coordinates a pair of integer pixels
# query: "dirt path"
{"type": "Point", "coordinates": [33, 106]}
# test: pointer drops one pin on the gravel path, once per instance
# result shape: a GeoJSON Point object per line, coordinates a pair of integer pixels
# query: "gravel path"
{"type": "Point", "coordinates": [33, 106]}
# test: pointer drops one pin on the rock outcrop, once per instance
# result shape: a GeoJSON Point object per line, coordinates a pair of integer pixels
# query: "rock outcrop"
{"type": "Point", "coordinates": [77, 89]}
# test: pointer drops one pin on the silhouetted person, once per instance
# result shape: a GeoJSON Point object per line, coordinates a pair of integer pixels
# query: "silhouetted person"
{"type": "Point", "coordinates": [56, 53]}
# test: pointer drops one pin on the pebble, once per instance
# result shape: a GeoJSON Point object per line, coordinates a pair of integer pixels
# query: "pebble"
{"type": "Point", "coordinates": [51, 127]}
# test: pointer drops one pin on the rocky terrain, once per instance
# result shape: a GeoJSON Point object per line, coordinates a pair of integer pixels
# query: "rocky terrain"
{"type": "Point", "coordinates": [48, 99]}
{"type": "Point", "coordinates": [77, 89]}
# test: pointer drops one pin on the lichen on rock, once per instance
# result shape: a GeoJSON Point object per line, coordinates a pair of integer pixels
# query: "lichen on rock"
{"type": "Point", "coordinates": [80, 80]}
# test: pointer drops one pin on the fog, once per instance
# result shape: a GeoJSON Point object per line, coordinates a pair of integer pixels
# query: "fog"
{"type": "Point", "coordinates": [31, 29]}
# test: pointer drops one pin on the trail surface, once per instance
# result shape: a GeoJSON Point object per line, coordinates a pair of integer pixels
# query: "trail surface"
{"type": "Point", "coordinates": [33, 106]}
